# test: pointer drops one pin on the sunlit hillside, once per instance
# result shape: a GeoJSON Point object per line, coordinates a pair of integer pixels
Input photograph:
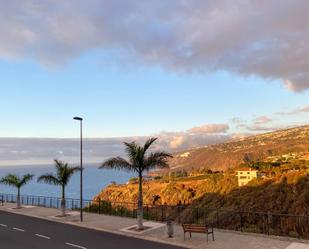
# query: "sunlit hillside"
{"type": "Point", "coordinates": [229, 155]}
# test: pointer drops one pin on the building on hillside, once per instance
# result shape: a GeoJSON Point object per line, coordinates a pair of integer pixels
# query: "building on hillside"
{"type": "Point", "coordinates": [246, 175]}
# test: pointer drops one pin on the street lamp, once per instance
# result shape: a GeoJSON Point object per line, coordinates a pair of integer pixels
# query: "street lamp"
{"type": "Point", "coordinates": [81, 166]}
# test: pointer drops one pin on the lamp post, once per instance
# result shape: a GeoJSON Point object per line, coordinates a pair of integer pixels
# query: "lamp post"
{"type": "Point", "coordinates": [81, 166]}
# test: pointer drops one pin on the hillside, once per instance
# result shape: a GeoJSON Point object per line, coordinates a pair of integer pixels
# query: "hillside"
{"type": "Point", "coordinates": [230, 154]}
{"type": "Point", "coordinates": [286, 191]}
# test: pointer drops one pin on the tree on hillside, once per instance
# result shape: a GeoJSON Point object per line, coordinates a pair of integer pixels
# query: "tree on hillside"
{"type": "Point", "coordinates": [18, 182]}
{"type": "Point", "coordinates": [248, 159]}
{"type": "Point", "coordinates": [139, 161]}
{"type": "Point", "coordinates": [61, 178]}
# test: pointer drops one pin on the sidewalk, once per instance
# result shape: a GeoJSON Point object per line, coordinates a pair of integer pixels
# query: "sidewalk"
{"type": "Point", "coordinates": [223, 239]}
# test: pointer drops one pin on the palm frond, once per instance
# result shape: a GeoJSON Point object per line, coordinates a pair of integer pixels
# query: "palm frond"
{"type": "Point", "coordinates": [157, 159]}
{"type": "Point", "coordinates": [10, 179]}
{"type": "Point", "coordinates": [25, 179]}
{"type": "Point", "coordinates": [50, 179]}
{"type": "Point", "coordinates": [15, 180]}
{"type": "Point", "coordinates": [72, 170]}
{"type": "Point", "coordinates": [131, 151]}
{"type": "Point", "coordinates": [149, 142]}
{"type": "Point", "coordinates": [117, 163]}
{"type": "Point", "coordinates": [67, 173]}
{"type": "Point", "coordinates": [60, 168]}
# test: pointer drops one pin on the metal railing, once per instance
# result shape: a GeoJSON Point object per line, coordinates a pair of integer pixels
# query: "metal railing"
{"type": "Point", "coordinates": [244, 221]}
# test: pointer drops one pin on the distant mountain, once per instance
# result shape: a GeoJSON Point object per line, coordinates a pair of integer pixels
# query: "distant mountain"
{"type": "Point", "coordinates": [230, 154]}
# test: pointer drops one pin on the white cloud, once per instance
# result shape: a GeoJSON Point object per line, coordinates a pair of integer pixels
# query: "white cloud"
{"type": "Point", "coordinates": [260, 128]}
{"type": "Point", "coordinates": [237, 120]}
{"type": "Point", "coordinates": [209, 128]}
{"type": "Point", "coordinates": [176, 142]}
{"type": "Point", "coordinates": [304, 109]}
{"type": "Point", "coordinates": [184, 140]}
{"type": "Point", "coordinates": [268, 39]}
{"type": "Point", "coordinates": [194, 137]}
{"type": "Point", "coordinates": [262, 120]}
{"type": "Point", "coordinates": [257, 125]}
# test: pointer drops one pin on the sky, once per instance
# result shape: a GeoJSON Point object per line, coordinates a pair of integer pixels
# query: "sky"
{"type": "Point", "coordinates": [185, 71]}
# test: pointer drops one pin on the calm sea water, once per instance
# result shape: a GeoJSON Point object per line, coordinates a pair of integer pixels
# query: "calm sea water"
{"type": "Point", "coordinates": [94, 180]}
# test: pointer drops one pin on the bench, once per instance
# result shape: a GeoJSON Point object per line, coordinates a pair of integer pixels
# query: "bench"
{"type": "Point", "coordinates": [197, 228]}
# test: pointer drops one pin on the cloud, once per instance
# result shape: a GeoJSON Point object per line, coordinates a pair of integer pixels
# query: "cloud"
{"type": "Point", "coordinates": [209, 128]}
{"type": "Point", "coordinates": [259, 128]}
{"type": "Point", "coordinates": [256, 125]}
{"type": "Point", "coordinates": [268, 39]}
{"type": "Point", "coordinates": [237, 120]}
{"type": "Point", "coordinates": [262, 120]}
{"type": "Point", "coordinates": [194, 137]}
{"type": "Point", "coordinates": [183, 140]}
{"type": "Point", "coordinates": [176, 142]}
{"type": "Point", "coordinates": [304, 109]}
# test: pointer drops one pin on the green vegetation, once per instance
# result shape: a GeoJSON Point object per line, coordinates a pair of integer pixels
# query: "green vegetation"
{"type": "Point", "coordinates": [281, 188]}
{"type": "Point", "coordinates": [171, 191]}
{"type": "Point", "coordinates": [18, 182]}
{"type": "Point", "coordinates": [61, 178]}
{"type": "Point", "coordinates": [140, 161]}
{"type": "Point", "coordinates": [215, 197]}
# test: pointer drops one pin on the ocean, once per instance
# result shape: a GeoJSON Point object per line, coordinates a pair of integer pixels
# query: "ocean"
{"type": "Point", "coordinates": [94, 180]}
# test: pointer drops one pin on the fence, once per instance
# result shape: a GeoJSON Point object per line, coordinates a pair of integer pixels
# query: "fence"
{"type": "Point", "coordinates": [245, 221]}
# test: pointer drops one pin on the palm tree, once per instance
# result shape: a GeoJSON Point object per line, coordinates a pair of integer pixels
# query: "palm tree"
{"type": "Point", "coordinates": [61, 178]}
{"type": "Point", "coordinates": [18, 182]}
{"type": "Point", "coordinates": [139, 161]}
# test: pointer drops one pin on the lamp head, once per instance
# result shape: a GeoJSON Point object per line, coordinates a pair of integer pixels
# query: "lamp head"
{"type": "Point", "coordinates": [78, 118]}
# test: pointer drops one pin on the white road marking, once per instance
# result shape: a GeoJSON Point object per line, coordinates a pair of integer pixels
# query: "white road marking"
{"type": "Point", "coordinates": [42, 236]}
{"type": "Point", "coordinates": [18, 229]}
{"type": "Point", "coordinates": [3, 225]}
{"type": "Point", "coordinates": [81, 247]}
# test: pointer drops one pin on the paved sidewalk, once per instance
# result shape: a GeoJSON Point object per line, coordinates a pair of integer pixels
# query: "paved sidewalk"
{"type": "Point", "coordinates": [223, 239]}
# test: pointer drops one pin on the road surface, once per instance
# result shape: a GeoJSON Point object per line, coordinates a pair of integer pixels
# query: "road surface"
{"type": "Point", "coordinates": [23, 232]}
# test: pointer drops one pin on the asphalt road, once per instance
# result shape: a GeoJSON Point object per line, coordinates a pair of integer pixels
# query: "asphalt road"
{"type": "Point", "coordinates": [23, 232]}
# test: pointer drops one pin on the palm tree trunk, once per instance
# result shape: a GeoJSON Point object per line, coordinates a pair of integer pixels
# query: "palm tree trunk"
{"type": "Point", "coordinates": [63, 201]}
{"type": "Point", "coordinates": [18, 198]}
{"type": "Point", "coordinates": [140, 202]}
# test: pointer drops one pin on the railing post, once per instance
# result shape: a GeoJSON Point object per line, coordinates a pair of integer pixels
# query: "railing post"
{"type": "Point", "coordinates": [217, 218]}
{"type": "Point", "coordinates": [197, 214]}
{"type": "Point", "coordinates": [162, 213]}
{"type": "Point", "coordinates": [241, 221]}
{"type": "Point", "coordinates": [268, 222]}
{"type": "Point", "coordinates": [99, 205]}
